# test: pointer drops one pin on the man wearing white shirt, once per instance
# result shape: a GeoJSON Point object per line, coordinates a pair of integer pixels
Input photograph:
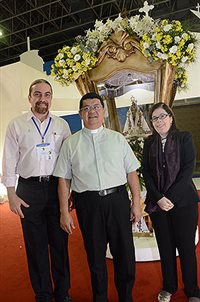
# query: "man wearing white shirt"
{"type": "Point", "coordinates": [32, 144]}
{"type": "Point", "coordinates": [96, 163]}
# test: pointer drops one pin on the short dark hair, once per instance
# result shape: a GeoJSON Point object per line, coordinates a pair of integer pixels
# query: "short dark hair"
{"type": "Point", "coordinates": [39, 81]}
{"type": "Point", "coordinates": [167, 109]}
{"type": "Point", "coordinates": [90, 96]}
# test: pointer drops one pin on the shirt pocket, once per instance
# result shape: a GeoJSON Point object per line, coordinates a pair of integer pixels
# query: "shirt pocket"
{"type": "Point", "coordinates": [56, 142]}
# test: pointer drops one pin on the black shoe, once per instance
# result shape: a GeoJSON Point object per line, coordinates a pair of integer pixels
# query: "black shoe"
{"type": "Point", "coordinates": [67, 299]}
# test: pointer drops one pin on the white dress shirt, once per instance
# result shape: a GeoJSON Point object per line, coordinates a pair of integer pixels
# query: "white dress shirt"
{"type": "Point", "coordinates": [95, 160]}
{"type": "Point", "coordinates": [21, 156]}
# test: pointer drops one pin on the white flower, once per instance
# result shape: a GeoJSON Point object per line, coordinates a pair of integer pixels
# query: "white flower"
{"type": "Point", "coordinates": [74, 68]}
{"type": "Point", "coordinates": [184, 35]}
{"type": "Point", "coordinates": [109, 24]}
{"type": "Point", "coordinates": [60, 56]}
{"type": "Point", "coordinates": [177, 39]}
{"type": "Point", "coordinates": [61, 62]}
{"type": "Point", "coordinates": [173, 49]}
{"type": "Point", "coordinates": [77, 57]}
{"type": "Point", "coordinates": [167, 27]}
{"type": "Point", "coordinates": [153, 37]}
{"type": "Point", "coordinates": [133, 21]}
{"type": "Point", "coordinates": [98, 25]}
{"type": "Point", "coordinates": [158, 45]}
{"type": "Point", "coordinates": [141, 26]}
{"type": "Point", "coordinates": [184, 59]}
{"type": "Point", "coordinates": [87, 61]}
{"type": "Point", "coordinates": [74, 50]}
{"type": "Point", "coordinates": [191, 46]}
{"type": "Point", "coordinates": [117, 21]}
{"type": "Point", "coordinates": [182, 65]}
{"type": "Point", "coordinates": [162, 56]}
{"type": "Point", "coordinates": [65, 74]}
{"type": "Point", "coordinates": [146, 45]}
{"type": "Point", "coordinates": [159, 54]}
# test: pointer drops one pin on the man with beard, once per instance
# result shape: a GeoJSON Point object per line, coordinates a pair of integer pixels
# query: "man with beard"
{"type": "Point", "coordinates": [32, 145]}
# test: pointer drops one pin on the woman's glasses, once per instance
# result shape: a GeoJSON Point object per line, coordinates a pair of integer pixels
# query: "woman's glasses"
{"type": "Point", "coordinates": [161, 117]}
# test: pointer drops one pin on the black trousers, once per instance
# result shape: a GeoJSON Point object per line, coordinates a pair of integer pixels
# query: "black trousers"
{"type": "Point", "coordinates": [46, 243]}
{"type": "Point", "coordinates": [176, 229]}
{"type": "Point", "coordinates": [102, 220]}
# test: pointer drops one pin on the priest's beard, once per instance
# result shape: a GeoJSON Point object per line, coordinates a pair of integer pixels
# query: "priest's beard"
{"type": "Point", "coordinates": [41, 107]}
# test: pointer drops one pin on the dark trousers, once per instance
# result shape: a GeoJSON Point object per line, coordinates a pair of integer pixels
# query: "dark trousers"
{"type": "Point", "coordinates": [46, 243]}
{"type": "Point", "coordinates": [102, 220]}
{"type": "Point", "coordinates": [176, 229]}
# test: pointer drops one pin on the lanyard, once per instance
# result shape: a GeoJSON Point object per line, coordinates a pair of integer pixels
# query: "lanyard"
{"type": "Point", "coordinates": [38, 129]}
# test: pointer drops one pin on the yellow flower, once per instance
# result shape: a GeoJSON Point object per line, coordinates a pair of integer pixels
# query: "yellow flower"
{"type": "Point", "coordinates": [167, 39]}
{"type": "Point", "coordinates": [159, 36]}
{"type": "Point", "coordinates": [69, 54]}
{"type": "Point", "coordinates": [179, 54]}
{"type": "Point", "coordinates": [164, 22]}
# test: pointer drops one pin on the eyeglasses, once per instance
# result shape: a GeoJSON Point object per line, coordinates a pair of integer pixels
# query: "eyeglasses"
{"type": "Point", "coordinates": [96, 107]}
{"type": "Point", "coordinates": [161, 117]}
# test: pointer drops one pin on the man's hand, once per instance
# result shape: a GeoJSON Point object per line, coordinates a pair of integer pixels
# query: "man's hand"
{"type": "Point", "coordinates": [66, 222]}
{"type": "Point", "coordinates": [136, 213]}
{"type": "Point", "coordinates": [133, 182]}
{"type": "Point", "coordinates": [15, 202]}
{"type": "Point", "coordinates": [165, 204]}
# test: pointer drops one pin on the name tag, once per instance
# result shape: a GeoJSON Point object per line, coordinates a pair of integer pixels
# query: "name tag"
{"type": "Point", "coordinates": [44, 151]}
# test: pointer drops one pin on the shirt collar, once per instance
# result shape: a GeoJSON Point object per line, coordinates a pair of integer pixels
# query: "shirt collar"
{"type": "Point", "coordinates": [93, 131]}
{"type": "Point", "coordinates": [30, 115]}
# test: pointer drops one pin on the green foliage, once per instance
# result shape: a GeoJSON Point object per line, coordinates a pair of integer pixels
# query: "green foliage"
{"type": "Point", "coordinates": [136, 144]}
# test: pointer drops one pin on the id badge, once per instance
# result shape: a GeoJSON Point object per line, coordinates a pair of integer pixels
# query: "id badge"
{"type": "Point", "coordinates": [44, 151]}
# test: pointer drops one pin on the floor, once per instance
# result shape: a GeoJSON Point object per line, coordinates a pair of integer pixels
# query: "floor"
{"type": "Point", "coordinates": [197, 182]}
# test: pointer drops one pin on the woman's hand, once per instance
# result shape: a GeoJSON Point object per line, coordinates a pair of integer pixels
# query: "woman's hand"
{"type": "Point", "coordinates": [165, 204]}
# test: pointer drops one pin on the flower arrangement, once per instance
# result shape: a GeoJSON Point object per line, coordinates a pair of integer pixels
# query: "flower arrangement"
{"type": "Point", "coordinates": [158, 39]}
{"type": "Point", "coordinates": [70, 63]}
{"type": "Point", "coordinates": [170, 42]}
{"type": "Point", "coordinates": [181, 77]}
{"type": "Point", "coordinates": [135, 26]}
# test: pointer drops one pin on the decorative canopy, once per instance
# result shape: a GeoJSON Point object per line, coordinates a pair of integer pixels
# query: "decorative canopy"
{"type": "Point", "coordinates": [158, 40]}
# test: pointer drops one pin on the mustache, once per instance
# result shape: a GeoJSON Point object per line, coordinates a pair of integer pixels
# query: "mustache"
{"type": "Point", "coordinates": [41, 102]}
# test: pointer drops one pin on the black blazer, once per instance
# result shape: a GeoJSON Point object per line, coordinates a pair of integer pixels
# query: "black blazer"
{"type": "Point", "coordinates": [182, 192]}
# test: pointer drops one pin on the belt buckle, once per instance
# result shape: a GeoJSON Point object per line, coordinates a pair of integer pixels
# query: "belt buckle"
{"type": "Point", "coordinates": [103, 192]}
{"type": "Point", "coordinates": [44, 178]}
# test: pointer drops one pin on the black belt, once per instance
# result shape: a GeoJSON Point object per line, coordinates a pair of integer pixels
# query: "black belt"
{"type": "Point", "coordinates": [44, 178]}
{"type": "Point", "coordinates": [109, 191]}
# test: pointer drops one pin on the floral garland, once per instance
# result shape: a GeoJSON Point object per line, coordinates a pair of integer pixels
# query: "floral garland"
{"type": "Point", "coordinates": [159, 39]}
{"type": "Point", "coordinates": [70, 63]}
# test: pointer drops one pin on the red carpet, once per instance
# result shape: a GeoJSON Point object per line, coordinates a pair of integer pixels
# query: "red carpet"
{"type": "Point", "coordinates": [14, 280]}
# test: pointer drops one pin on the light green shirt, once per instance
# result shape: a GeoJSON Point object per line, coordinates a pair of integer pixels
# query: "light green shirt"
{"type": "Point", "coordinates": [95, 160]}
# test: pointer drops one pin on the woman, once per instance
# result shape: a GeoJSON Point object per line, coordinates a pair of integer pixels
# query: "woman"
{"type": "Point", "coordinates": [171, 200]}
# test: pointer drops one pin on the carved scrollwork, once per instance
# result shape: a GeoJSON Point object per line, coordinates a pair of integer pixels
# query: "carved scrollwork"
{"type": "Point", "coordinates": [119, 47]}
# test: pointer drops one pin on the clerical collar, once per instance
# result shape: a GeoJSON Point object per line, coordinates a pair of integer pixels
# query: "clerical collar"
{"type": "Point", "coordinates": [93, 131]}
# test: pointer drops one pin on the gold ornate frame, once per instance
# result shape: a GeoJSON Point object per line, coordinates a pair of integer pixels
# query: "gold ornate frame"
{"type": "Point", "coordinates": [123, 52]}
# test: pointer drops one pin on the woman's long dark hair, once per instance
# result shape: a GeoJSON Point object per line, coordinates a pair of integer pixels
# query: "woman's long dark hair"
{"type": "Point", "coordinates": [168, 110]}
